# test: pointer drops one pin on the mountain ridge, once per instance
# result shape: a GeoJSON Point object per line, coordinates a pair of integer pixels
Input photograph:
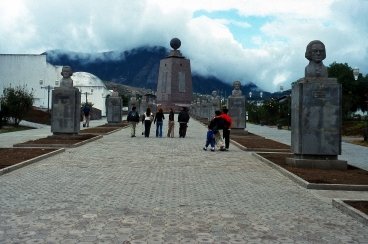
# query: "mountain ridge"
{"type": "Point", "coordinates": [138, 67]}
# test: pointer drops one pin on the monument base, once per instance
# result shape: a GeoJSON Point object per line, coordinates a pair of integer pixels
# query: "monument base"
{"type": "Point", "coordinates": [65, 136]}
{"type": "Point", "coordinates": [317, 162]}
{"type": "Point", "coordinates": [239, 131]}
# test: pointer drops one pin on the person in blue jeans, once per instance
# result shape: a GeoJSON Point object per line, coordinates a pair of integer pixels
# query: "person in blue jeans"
{"type": "Point", "coordinates": [159, 118]}
{"type": "Point", "coordinates": [210, 139]}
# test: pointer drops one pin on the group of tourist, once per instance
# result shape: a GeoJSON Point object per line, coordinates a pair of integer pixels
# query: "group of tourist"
{"type": "Point", "coordinates": [218, 128]}
{"type": "Point", "coordinates": [220, 122]}
{"type": "Point", "coordinates": [183, 118]}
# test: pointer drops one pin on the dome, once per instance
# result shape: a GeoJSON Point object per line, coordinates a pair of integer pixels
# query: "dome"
{"type": "Point", "coordinates": [86, 79]}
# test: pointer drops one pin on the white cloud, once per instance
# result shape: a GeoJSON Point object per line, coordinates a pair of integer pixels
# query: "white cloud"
{"type": "Point", "coordinates": [277, 57]}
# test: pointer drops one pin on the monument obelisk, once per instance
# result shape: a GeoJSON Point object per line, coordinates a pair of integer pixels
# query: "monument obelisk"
{"type": "Point", "coordinates": [174, 86]}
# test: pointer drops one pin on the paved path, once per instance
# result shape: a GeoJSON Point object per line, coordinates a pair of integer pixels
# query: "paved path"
{"type": "Point", "coordinates": [162, 190]}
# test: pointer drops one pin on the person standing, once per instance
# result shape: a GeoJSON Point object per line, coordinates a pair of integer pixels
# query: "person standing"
{"type": "Point", "coordinates": [159, 119]}
{"type": "Point", "coordinates": [227, 127]}
{"type": "Point", "coordinates": [86, 115]}
{"type": "Point", "coordinates": [183, 119]}
{"type": "Point", "coordinates": [170, 131]}
{"type": "Point", "coordinates": [147, 120]}
{"type": "Point", "coordinates": [217, 124]}
{"type": "Point", "coordinates": [133, 119]}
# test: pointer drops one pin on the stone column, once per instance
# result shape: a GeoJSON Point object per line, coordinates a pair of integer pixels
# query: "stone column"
{"type": "Point", "coordinates": [66, 112]}
{"type": "Point", "coordinates": [237, 111]}
{"type": "Point", "coordinates": [316, 124]}
{"type": "Point", "coordinates": [114, 111]}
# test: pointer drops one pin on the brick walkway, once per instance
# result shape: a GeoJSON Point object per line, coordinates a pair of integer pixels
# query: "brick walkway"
{"type": "Point", "coordinates": [162, 190]}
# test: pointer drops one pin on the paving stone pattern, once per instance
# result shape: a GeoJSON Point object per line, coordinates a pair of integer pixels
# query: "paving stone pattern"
{"type": "Point", "coordinates": [163, 190]}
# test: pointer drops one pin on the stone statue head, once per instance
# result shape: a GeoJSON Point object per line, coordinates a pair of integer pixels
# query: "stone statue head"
{"type": "Point", "coordinates": [236, 85]}
{"type": "Point", "coordinates": [237, 91]}
{"type": "Point", "coordinates": [316, 51]}
{"type": "Point", "coordinates": [66, 72]}
{"type": "Point", "coordinates": [214, 94]}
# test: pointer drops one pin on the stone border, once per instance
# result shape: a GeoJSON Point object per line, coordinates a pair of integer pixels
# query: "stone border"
{"type": "Point", "coordinates": [59, 145]}
{"type": "Point", "coordinates": [30, 161]}
{"type": "Point", "coordinates": [306, 184]}
{"type": "Point", "coordinates": [349, 210]}
{"type": "Point", "coordinates": [107, 133]}
{"type": "Point", "coordinates": [238, 145]}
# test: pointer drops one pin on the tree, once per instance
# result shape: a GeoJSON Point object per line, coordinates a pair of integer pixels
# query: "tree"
{"type": "Point", "coordinates": [353, 92]}
{"type": "Point", "coordinates": [16, 102]}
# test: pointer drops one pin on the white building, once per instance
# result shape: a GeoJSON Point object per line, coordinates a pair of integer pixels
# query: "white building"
{"type": "Point", "coordinates": [37, 75]}
{"type": "Point", "coordinates": [92, 88]}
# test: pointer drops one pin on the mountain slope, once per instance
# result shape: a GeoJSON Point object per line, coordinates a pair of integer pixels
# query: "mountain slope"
{"type": "Point", "coordinates": [138, 67]}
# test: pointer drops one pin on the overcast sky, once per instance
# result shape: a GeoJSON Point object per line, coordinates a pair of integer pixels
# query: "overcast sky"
{"type": "Point", "coordinates": [259, 41]}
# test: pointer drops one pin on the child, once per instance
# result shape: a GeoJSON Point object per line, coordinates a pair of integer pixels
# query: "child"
{"type": "Point", "coordinates": [210, 138]}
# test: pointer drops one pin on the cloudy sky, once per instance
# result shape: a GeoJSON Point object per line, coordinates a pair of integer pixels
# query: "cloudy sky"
{"type": "Point", "coordinates": [259, 41]}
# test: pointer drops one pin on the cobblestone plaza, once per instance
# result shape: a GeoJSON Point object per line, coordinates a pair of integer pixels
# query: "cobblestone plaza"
{"type": "Point", "coordinates": [166, 190]}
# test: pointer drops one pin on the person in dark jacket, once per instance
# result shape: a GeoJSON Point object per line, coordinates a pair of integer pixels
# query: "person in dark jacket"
{"type": "Point", "coordinates": [183, 119]}
{"type": "Point", "coordinates": [133, 119]}
{"type": "Point", "coordinates": [159, 119]}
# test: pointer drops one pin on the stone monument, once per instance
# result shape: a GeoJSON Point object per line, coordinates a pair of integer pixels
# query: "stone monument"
{"type": "Point", "coordinates": [174, 86]}
{"type": "Point", "coordinates": [133, 102]}
{"type": "Point", "coordinates": [215, 104]}
{"type": "Point", "coordinates": [316, 115]}
{"type": "Point", "coordinates": [236, 104]}
{"type": "Point", "coordinates": [114, 109]}
{"type": "Point", "coordinates": [66, 107]}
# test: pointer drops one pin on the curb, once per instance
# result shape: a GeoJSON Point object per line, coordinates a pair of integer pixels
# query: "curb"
{"type": "Point", "coordinates": [306, 184]}
{"type": "Point", "coordinates": [349, 210]}
{"type": "Point", "coordinates": [238, 145]}
{"type": "Point", "coordinates": [59, 145]}
{"type": "Point", "coordinates": [107, 133]}
{"type": "Point", "coordinates": [30, 161]}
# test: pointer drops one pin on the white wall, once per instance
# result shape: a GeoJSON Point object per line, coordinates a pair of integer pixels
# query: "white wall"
{"type": "Point", "coordinates": [28, 70]}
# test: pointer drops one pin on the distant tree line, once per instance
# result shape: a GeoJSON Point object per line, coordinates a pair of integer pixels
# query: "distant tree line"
{"type": "Point", "coordinates": [354, 97]}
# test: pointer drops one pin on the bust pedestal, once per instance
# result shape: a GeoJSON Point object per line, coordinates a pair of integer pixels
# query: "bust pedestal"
{"type": "Point", "coordinates": [114, 111]}
{"type": "Point", "coordinates": [237, 111]}
{"type": "Point", "coordinates": [316, 124]}
{"type": "Point", "coordinates": [66, 112]}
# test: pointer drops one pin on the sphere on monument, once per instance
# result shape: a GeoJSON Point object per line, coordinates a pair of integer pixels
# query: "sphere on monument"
{"type": "Point", "coordinates": [175, 43]}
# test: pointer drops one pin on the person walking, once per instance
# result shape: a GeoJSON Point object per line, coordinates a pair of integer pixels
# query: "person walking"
{"type": "Point", "coordinates": [133, 119]}
{"type": "Point", "coordinates": [147, 120]}
{"type": "Point", "coordinates": [227, 127]}
{"type": "Point", "coordinates": [170, 131]}
{"type": "Point", "coordinates": [86, 115]}
{"type": "Point", "coordinates": [159, 119]}
{"type": "Point", "coordinates": [183, 119]}
{"type": "Point", "coordinates": [217, 124]}
{"type": "Point", "coordinates": [210, 139]}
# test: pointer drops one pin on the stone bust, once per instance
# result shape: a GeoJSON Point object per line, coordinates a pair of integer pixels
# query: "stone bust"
{"type": "Point", "coordinates": [115, 92]}
{"type": "Point", "coordinates": [214, 95]}
{"type": "Point", "coordinates": [236, 91]}
{"type": "Point", "coordinates": [315, 53]}
{"type": "Point", "coordinates": [215, 99]}
{"type": "Point", "coordinates": [66, 81]}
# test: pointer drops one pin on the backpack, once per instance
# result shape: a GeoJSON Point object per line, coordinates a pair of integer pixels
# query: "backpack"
{"type": "Point", "coordinates": [133, 116]}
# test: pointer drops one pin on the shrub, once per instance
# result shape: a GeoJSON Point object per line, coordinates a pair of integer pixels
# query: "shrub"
{"type": "Point", "coordinates": [15, 103]}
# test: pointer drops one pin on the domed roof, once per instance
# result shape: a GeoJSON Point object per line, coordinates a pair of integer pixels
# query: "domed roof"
{"type": "Point", "coordinates": [86, 79]}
